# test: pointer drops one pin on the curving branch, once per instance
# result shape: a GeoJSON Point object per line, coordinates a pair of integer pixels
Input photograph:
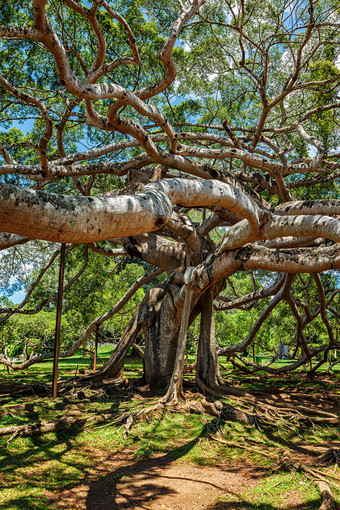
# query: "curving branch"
{"type": "Point", "coordinates": [60, 218]}
{"type": "Point", "coordinates": [89, 330]}
{"type": "Point", "coordinates": [31, 311]}
{"type": "Point", "coordinates": [86, 219]}
{"type": "Point", "coordinates": [9, 240]}
{"type": "Point", "coordinates": [230, 304]}
{"type": "Point", "coordinates": [31, 100]}
{"type": "Point", "coordinates": [285, 285]}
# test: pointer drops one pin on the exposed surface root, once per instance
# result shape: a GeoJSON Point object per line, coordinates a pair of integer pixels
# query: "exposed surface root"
{"type": "Point", "coordinates": [42, 427]}
{"type": "Point", "coordinates": [14, 390]}
{"type": "Point", "coordinates": [328, 502]}
{"type": "Point", "coordinates": [288, 412]}
{"type": "Point", "coordinates": [129, 418]}
{"type": "Point", "coordinates": [331, 456]}
{"type": "Point", "coordinates": [220, 410]}
{"type": "Point", "coordinates": [239, 445]}
{"type": "Point", "coordinates": [320, 479]}
{"type": "Point", "coordinates": [285, 463]}
{"type": "Point", "coordinates": [219, 390]}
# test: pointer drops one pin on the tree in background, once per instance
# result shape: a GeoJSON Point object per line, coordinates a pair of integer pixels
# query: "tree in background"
{"type": "Point", "coordinates": [198, 138]}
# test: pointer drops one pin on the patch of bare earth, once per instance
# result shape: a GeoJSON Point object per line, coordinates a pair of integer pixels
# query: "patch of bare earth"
{"type": "Point", "coordinates": [162, 483]}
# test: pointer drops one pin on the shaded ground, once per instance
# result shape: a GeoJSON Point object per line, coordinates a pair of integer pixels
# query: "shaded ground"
{"type": "Point", "coordinates": [168, 460]}
{"type": "Point", "coordinates": [163, 483]}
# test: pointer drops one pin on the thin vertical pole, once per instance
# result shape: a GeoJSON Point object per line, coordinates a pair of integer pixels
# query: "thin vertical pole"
{"type": "Point", "coordinates": [58, 321]}
{"type": "Point", "coordinates": [96, 349]}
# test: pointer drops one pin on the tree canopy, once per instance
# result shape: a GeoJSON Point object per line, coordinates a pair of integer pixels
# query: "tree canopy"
{"type": "Point", "coordinates": [192, 144]}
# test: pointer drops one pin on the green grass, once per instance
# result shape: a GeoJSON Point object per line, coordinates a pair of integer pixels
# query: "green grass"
{"type": "Point", "coordinates": [34, 469]}
{"type": "Point", "coordinates": [68, 366]}
{"type": "Point", "coordinates": [275, 491]}
{"type": "Point", "coordinates": [58, 461]}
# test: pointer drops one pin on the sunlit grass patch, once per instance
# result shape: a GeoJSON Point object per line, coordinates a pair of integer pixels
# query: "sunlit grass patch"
{"type": "Point", "coordinates": [166, 433]}
{"type": "Point", "coordinates": [62, 460]}
{"type": "Point", "coordinates": [276, 490]}
{"type": "Point", "coordinates": [26, 498]}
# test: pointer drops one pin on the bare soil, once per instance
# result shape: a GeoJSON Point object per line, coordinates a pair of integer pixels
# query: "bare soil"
{"type": "Point", "coordinates": [122, 481]}
{"type": "Point", "coordinates": [163, 483]}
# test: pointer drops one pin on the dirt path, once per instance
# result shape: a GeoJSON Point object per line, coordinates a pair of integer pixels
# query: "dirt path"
{"type": "Point", "coordinates": [171, 482]}
{"type": "Point", "coordinates": [162, 483]}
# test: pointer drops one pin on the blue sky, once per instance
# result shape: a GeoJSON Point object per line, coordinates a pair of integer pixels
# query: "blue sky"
{"type": "Point", "coordinates": [17, 297]}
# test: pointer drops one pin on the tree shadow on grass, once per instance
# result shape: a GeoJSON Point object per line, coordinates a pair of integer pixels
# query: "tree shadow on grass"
{"type": "Point", "coordinates": [32, 467]}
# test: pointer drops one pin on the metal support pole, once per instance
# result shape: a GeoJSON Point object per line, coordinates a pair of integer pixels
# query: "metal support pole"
{"type": "Point", "coordinates": [96, 349]}
{"type": "Point", "coordinates": [58, 321]}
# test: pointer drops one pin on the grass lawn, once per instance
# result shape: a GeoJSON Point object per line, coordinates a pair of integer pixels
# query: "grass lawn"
{"type": "Point", "coordinates": [55, 470]}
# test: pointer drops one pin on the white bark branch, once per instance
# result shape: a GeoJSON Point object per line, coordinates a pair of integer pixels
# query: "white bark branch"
{"type": "Point", "coordinates": [60, 218]}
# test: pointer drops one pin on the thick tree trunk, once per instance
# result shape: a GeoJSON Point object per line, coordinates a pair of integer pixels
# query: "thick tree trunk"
{"type": "Point", "coordinates": [207, 368]}
{"type": "Point", "coordinates": [161, 337]}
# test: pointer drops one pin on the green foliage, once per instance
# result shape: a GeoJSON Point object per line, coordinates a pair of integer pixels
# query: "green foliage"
{"type": "Point", "coordinates": [99, 288]}
{"type": "Point", "coordinates": [233, 326]}
{"type": "Point", "coordinates": [30, 335]}
{"type": "Point", "coordinates": [216, 80]}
